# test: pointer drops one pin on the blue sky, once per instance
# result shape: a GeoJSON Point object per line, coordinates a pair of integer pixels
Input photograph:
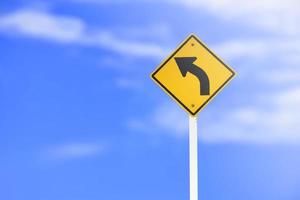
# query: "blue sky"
{"type": "Point", "coordinates": [82, 120]}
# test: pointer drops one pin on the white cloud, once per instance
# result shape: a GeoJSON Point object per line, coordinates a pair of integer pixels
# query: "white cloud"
{"type": "Point", "coordinates": [43, 25]}
{"type": "Point", "coordinates": [109, 41]}
{"type": "Point", "coordinates": [168, 118]}
{"type": "Point", "coordinates": [129, 83]}
{"type": "Point", "coordinates": [288, 76]}
{"type": "Point", "coordinates": [156, 30]}
{"type": "Point", "coordinates": [272, 60]}
{"type": "Point", "coordinates": [74, 150]}
{"type": "Point", "coordinates": [239, 49]}
{"type": "Point", "coordinates": [274, 121]}
{"type": "Point", "coordinates": [281, 49]}
{"type": "Point", "coordinates": [275, 15]}
{"type": "Point", "coordinates": [279, 17]}
{"type": "Point", "coordinates": [65, 29]}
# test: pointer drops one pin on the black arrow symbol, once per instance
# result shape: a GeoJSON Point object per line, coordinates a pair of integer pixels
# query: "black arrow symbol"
{"type": "Point", "coordinates": [185, 64]}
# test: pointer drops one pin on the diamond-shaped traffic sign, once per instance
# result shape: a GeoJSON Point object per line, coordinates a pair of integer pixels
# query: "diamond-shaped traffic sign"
{"type": "Point", "coordinates": [192, 75]}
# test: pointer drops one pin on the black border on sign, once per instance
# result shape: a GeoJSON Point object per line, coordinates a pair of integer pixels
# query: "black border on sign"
{"type": "Point", "coordinates": [172, 55]}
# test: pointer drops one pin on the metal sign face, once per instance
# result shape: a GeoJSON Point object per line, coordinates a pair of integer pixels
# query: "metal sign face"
{"type": "Point", "coordinates": [192, 75]}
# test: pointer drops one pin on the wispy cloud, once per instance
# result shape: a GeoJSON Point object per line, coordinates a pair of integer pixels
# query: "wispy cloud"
{"type": "Point", "coordinates": [273, 15]}
{"type": "Point", "coordinates": [282, 76]}
{"type": "Point", "coordinates": [43, 25]}
{"type": "Point", "coordinates": [273, 119]}
{"type": "Point", "coordinates": [281, 49]}
{"type": "Point", "coordinates": [278, 17]}
{"type": "Point", "coordinates": [74, 150]}
{"type": "Point", "coordinates": [129, 83]}
{"type": "Point", "coordinates": [275, 123]}
{"type": "Point", "coordinates": [274, 60]}
{"type": "Point", "coordinates": [66, 29]}
{"type": "Point", "coordinates": [167, 118]}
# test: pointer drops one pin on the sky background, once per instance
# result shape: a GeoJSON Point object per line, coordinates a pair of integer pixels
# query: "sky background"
{"type": "Point", "coordinates": [80, 118]}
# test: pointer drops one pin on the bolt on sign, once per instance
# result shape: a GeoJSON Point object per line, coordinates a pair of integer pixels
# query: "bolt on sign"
{"type": "Point", "coordinates": [192, 75]}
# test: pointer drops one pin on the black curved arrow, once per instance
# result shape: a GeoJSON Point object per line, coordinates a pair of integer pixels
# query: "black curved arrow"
{"type": "Point", "coordinates": [185, 64]}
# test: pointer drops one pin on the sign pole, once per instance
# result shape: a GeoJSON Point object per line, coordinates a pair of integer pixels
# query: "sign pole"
{"type": "Point", "coordinates": [193, 145]}
{"type": "Point", "coordinates": [187, 76]}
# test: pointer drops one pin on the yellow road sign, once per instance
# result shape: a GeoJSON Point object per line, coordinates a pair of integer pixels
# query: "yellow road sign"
{"type": "Point", "coordinates": [192, 75]}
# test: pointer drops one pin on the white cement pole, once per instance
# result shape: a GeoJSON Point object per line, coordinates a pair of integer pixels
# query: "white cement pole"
{"type": "Point", "coordinates": [193, 144]}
